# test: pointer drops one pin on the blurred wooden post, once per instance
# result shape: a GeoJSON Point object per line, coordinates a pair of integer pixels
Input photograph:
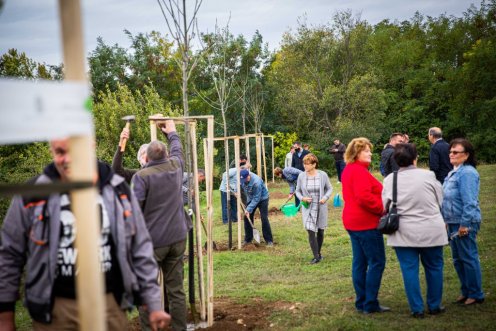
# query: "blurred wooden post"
{"type": "Point", "coordinates": [89, 279]}
{"type": "Point", "coordinates": [259, 161]}
{"type": "Point", "coordinates": [238, 190]}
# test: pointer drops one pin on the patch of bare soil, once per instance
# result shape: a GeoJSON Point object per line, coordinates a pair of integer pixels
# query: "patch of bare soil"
{"type": "Point", "coordinates": [274, 211]}
{"type": "Point", "coordinates": [278, 195]}
{"type": "Point", "coordinates": [230, 316]}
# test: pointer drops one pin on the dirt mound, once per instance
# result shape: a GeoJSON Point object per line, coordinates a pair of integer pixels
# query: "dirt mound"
{"type": "Point", "coordinates": [230, 316]}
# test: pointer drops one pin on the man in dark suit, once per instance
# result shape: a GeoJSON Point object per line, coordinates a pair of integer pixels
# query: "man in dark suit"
{"type": "Point", "coordinates": [439, 161]}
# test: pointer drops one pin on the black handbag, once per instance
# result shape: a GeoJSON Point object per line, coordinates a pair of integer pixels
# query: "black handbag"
{"type": "Point", "coordinates": [390, 222]}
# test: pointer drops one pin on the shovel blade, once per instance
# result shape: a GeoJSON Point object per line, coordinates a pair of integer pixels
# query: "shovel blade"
{"type": "Point", "coordinates": [256, 235]}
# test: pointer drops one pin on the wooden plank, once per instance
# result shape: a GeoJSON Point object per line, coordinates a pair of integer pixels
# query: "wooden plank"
{"type": "Point", "coordinates": [264, 161]}
{"type": "Point", "coordinates": [199, 249]}
{"type": "Point", "coordinates": [259, 159]}
{"type": "Point", "coordinates": [238, 190]}
{"type": "Point", "coordinates": [247, 148]}
{"type": "Point", "coordinates": [273, 163]}
{"type": "Point", "coordinates": [153, 131]}
{"type": "Point", "coordinates": [181, 119]}
{"type": "Point", "coordinates": [208, 185]}
{"type": "Point", "coordinates": [89, 279]}
{"type": "Point", "coordinates": [210, 256]}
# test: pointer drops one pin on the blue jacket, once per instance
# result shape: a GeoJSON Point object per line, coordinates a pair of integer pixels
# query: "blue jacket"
{"type": "Point", "coordinates": [232, 181]}
{"type": "Point", "coordinates": [290, 175]}
{"type": "Point", "coordinates": [255, 191]}
{"type": "Point", "coordinates": [461, 196]}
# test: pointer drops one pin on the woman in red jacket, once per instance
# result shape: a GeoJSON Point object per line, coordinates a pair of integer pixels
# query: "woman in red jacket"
{"type": "Point", "coordinates": [362, 210]}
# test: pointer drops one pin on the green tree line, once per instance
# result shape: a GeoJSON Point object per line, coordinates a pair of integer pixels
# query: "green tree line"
{"type": "Point", "coordinates": [343, 79]}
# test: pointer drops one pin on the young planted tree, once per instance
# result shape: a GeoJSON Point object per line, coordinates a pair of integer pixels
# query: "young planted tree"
{"type": "Point", "coordinates": [181, 27]}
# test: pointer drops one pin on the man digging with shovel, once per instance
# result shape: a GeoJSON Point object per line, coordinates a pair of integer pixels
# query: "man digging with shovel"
{"type": "Point", "coordinates": [257, 197]}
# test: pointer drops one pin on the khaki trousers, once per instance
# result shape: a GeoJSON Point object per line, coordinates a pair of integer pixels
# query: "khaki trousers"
{"type": "Point", "coordinates": [65, 316]}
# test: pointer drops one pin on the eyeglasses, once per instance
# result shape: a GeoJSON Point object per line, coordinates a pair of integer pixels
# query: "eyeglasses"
{"type": "Point", "coordinates": [456, 152]}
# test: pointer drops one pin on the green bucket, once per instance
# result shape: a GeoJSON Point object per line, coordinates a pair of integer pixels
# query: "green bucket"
{"type": "Point", "coordinates": [289, 209]}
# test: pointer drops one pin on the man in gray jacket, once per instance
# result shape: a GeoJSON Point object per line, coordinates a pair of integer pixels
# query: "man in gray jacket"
{"type": "Point", "coordinates": [158, 188]}
{"type": "Point", "coordinates": [39, 232]}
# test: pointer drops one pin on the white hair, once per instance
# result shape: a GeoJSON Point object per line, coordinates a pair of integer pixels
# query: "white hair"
{"type": "Point", "coordinates": [141, 151]}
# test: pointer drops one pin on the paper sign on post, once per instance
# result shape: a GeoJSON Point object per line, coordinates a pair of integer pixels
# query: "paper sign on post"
{"type": "Point", "coordinates": [43, 110]}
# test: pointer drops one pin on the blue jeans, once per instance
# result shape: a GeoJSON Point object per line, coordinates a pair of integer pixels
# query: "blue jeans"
{"type": "Point", "coordinates": [432, 260]}
{"type": "Point", "coordinates": [466, 261]}
{"type": "Point", "coordinates": [339, 168]}
{"type": "Point", "coordinates": [263, 207]}
{"type": "Point", "coordinates": [369, 260]}
{"type": "Point", "coordinates": [233, 205]}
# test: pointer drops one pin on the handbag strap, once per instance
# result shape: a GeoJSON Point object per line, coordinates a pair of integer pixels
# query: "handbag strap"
{"type": "Point", "coordinates": [395, 187]}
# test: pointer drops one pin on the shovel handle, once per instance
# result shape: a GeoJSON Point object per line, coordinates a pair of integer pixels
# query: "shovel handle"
{"type": "Point", "coordinates": [248, 217]}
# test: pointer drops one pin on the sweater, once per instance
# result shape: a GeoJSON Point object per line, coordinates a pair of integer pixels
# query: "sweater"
{"type": "Point", "coordinates": [325, 194]}
{"type": "Point", "coordinates": [158, 188]}
{"type": "Point", "coordinates": [419, 199]}
{"type": "Point", "coordinates": [362, 195]}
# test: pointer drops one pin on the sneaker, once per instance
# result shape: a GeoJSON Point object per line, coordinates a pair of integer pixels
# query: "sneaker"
{"type": "Point", "coordinates": [380, 309]}
{"type": "Point", "coordinates": [314, 261]}
{"type": "Point", "coordinates": [270, 244]}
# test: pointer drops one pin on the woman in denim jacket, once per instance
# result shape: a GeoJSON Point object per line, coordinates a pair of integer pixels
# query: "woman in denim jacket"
{"type": "Point", "coordinates": [462, 215]}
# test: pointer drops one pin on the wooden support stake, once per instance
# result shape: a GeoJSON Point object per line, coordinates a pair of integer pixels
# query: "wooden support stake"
{"type": "Point", "coordinates": [89, 280]}
{"type": "Point", "coordinates": [247, 149]}
{"type": "Point", "coordinates": [259, 159]}
{"type": "Point", "coordinates": [199, 249]}
{"type": "Point", "coordinates": [264, 161]}
{"type": "Point", "coordinates": [273, 164]}
{"type": "Point", "coordinates": [153, 131]}
{"type": "Point", "coordinates": [228, 191]}
{"type": "Point", "coordinates": [210, 256]}
{"type": "Point", "coordinates": [208, 186]}
{"type": "Point", "coordinates": [238, 190]}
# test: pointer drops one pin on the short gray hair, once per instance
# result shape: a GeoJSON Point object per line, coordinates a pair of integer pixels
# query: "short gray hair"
{"type": "Point", "coordinates": [436, 132]}
{"type": "Point", "coordinates": [141, 151]}
{"type": "Point", "coordinates": [156, 151]}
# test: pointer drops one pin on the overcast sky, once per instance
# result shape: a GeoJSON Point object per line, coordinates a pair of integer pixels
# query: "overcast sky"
{"type": "Point", "coordinates": [32, 26]}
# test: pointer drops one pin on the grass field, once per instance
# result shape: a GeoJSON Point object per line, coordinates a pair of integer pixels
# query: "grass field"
{"type": "Point", "coordinates": [291, 294]}
{"type": "Point", "coordinates": [324, 294]}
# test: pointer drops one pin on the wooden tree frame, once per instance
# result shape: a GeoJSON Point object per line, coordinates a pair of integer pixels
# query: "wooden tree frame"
{"type": "Point", "coordinates": [260, 156]}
